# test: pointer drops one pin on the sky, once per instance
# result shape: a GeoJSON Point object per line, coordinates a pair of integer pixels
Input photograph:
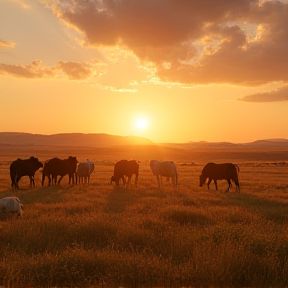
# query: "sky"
{"type": "Point", "coordinates": [169, 70]}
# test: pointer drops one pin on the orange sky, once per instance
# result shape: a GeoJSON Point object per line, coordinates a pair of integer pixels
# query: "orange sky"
{"type": "Point", "coordinates": [194, 70]}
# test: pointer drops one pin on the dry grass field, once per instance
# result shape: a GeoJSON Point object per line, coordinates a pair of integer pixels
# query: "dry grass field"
{"type": "Point", "coordinates": [98, 235]}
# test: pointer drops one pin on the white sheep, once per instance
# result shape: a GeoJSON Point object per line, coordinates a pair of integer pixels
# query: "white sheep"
{"type": "Point", "coordinates": [11, 205]}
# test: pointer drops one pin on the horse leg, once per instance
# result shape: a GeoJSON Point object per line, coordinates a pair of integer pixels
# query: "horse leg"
{"type": "Point", "coordinates": [17, 182]}
{"type": "Point", "coordinates": [237, 186]}
{"type": "Point", "coordinates": [32, 181]}
{"type": "Point", "coordinates": [229, 185]}
{"type": "Point", "coordinates": [209, 181]}
{"type": "Point", "coordinates": [173, 181]}
{"type": "Point", "coordinates": [59, 179]}
{"type": "Point", "coordinates": [158, 180]}
{"type": "Point", "coordinates": [215, 182]}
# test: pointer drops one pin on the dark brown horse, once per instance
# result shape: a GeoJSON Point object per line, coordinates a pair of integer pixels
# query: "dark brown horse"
{"type": "Point", "coordinates": [26, 167]}
{"type": "Point", "coordinates": [125, 168]}
{"type": "Point", "coordinates": [225, 171]}
{"type": "Point", "coordinates": [57, 167]}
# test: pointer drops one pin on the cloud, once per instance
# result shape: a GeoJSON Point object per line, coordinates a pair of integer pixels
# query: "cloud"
{"type": "Point", "coordinates": [72, 70]}
{"type": "Point", "coordinates": [272, 96]}
{"type": "Point", "coordinates": [7, 44]}
{"type": "Point", "coordinates": [238, 42]}
{"type": "Point", "coordinates": [21, 3]}
{"type": "Point", "coordinates": [34, 70]}
{"type": "Point", "coordinates": [121, 71]}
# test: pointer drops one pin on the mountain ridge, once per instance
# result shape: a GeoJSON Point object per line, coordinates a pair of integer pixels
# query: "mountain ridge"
{"type": "Point", "coordinates": [104, 140]}
{"type": "Point", "coordinates": [277, 143]}
{"type": "Point", "coordinates": [71, 139]}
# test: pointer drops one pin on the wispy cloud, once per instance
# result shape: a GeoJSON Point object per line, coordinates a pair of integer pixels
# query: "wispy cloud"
{"type": "Point", "coordinates": [271, 96]}
{"type": "Point", "coordinates": [34, 70]}
{"type": "Point", "coordinates": [74, 70]}
{"type": "Point", "coordinates": [71, 70]}
{"type": "Point", "coordinates": [21, 3]}
{"type": "Point", "coordinates": [7, 44]}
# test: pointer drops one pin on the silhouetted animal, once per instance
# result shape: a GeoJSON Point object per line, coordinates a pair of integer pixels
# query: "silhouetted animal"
{"type": "Point", "coordinates": [125, 168]}
{"type": "Point", "coordinates": [84, 171]}
{"type": "Point", "coordinates": [225, 171]}
{"type": "Point", "coordinates": [11, 205]}
{"type": "Point", "coordinates": [55, 166]}
{"type": "Point", "coordinates": [166, 169]}
{"type": "Point", "coordinates": [26, 167]}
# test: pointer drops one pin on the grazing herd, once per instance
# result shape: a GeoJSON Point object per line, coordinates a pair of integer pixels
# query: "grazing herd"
{"type": "Point", "coordinates": [80, 172]}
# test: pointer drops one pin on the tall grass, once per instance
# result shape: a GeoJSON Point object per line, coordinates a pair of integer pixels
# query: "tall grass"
{"type": "Point", "coordinates": [99, 235]}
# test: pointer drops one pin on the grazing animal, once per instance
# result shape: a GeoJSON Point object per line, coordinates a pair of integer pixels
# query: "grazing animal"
{"type": "Point", "coordinates": [164, 168]}
{"type": "Point", "coordinates": [56, 167]}
{"type": "Point", "coordinates": [11, 205]}
{"type": "Point", "coordinates": [26, 167]}
{"type": "Point", "coordinates": [84, 171]}
{"type": "Point", "coordinates": [225, 171]}
{"type": "Point", "coordinates": [125, 168]}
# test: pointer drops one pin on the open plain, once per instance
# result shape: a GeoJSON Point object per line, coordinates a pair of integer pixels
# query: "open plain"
{"type": "Point", "coordinates": [99, 235]}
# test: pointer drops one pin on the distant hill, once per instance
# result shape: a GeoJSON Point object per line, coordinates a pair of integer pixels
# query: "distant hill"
{"type": "Point", "coordinates": [259, 144]}
{"type": "Point", "coordinates": [106, 140]}
{"type": "Point", "coordinates": [71, 139]}
{"type": "Point", "coordinates": [269, 143]}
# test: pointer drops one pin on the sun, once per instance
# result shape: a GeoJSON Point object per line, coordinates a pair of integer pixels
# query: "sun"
{"type": "Point", "coordinates": [141, 123]}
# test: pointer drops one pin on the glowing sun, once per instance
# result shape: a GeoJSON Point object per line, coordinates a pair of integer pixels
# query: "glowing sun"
{"type": "Point", "coordinates": [141, 123]}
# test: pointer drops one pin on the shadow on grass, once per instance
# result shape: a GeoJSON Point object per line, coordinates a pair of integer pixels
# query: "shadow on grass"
{"type": "Point", "coordinates": [119, 199]}
{"type": "Point", "coordinates": [269, 210]}
{"type": "Point", "coordinates": [46, 194]}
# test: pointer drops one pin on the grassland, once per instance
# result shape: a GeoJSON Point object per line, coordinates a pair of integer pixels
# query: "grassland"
{"type": "Point", "coordinates": [98, 235]}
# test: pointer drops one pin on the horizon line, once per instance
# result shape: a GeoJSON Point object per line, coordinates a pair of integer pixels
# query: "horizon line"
{"type": "Point", "coordinates": [165, 142]}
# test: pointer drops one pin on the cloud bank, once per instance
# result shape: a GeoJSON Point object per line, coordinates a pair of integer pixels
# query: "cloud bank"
{"type": "Point", "coordinates": [190, 42]}
{"type": "Point", "coordinates": [238, 42]}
